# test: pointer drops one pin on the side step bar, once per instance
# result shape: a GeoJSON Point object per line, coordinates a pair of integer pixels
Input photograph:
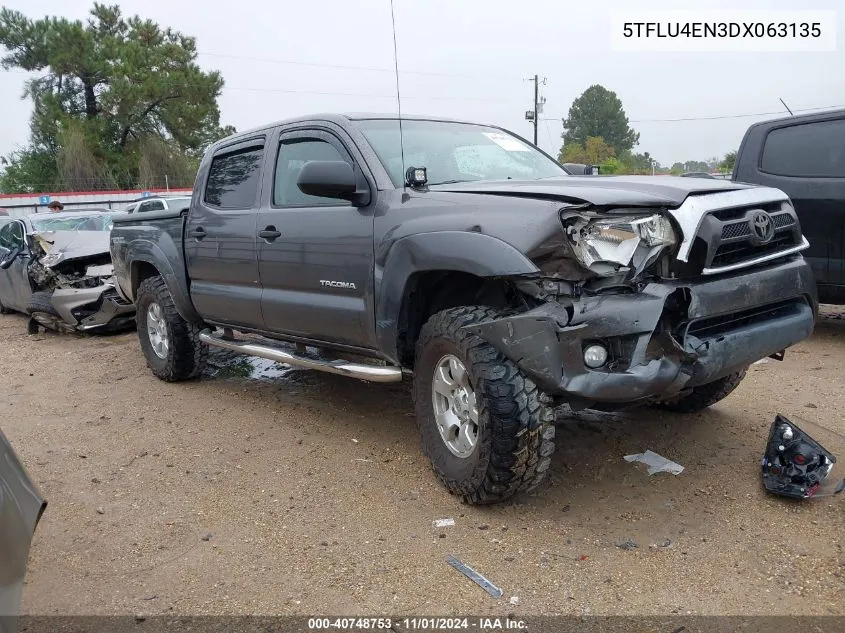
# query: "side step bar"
{"type": "Point", "coordinates": [372, 373]}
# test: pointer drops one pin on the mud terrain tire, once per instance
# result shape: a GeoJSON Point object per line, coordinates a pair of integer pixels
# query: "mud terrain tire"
{"type": "Point", "coordinates": [515, 428]}
{"type": "Point", "coordinates": [184, 356]}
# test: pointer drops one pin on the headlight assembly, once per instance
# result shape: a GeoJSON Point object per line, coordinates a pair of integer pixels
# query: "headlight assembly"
{"type": "Point", "coordinates": [607, 245]}
{"type": "Point", "coordinates": [50, 259]}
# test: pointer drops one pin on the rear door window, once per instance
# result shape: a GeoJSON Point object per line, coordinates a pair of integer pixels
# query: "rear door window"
{"type": "Point", "coordinates": [233, 179]}
{"type": "Point", "coordinates": [809, 150]}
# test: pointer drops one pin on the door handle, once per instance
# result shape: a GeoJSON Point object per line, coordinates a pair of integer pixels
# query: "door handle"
{"type": "Point", "coordinates": [269, 233]}
{"type": "Point", "coordinates": [198, 233]}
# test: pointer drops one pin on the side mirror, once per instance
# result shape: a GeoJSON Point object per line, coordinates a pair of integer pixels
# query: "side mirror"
{"type": "Point", "coordinates": [8, 257]}
{"type": "Point", "coordinates": [331, 179]}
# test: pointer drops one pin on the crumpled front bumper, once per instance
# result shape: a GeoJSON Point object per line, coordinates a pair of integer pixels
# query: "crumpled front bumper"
{"type": "Point", "coordinates": [91, 308]}
{"type": "Point", "coordinates": [669, 337]}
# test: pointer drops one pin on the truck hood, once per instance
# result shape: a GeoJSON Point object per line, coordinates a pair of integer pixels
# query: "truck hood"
{"type": "Point", "coordinates": [65, 246]}
{"type": "Point", "coordinates": [688, 200]}
{"type": "Point", "coordinates": [664, 191]}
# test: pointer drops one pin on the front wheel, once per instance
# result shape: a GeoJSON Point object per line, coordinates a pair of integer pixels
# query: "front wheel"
{"type": "Point", "coordinates": [705, 396]}
{"type": "Point", "coordinates": [170, 344]}
{"type": "Point", "coordinates": [40, 309]}
{"type": "Point", "coordinates": [482, 422]}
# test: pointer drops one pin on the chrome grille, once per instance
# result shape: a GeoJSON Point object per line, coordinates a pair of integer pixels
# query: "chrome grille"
{"type": "Point", "coordinates": [727, 240]}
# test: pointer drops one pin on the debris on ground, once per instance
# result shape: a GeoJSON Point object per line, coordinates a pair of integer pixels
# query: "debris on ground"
{"type": "Point", "coordinates": [439, 523]}
{"type": "Point", "coordinates": [627, 544]}
{"type": "Point", "coordinates": [796, 465]}
{"type": "Point", "coordinates": [206, 537]}
{"type": "Point", "coordinates": [100, 510]}
{"type": "Point", "coordinates": [656, 463]}
{"type": "Point", "coordinates": [514, 600]}
{"type": "Point", "coordinates": [474, 576]}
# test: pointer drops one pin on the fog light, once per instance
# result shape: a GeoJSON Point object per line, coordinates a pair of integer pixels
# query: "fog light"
{"type": "Point", "coordinates": [595, 356]}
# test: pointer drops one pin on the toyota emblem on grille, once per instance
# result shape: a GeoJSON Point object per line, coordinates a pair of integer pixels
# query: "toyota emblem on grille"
{"type": "Point", "coordinates": [762, 225]}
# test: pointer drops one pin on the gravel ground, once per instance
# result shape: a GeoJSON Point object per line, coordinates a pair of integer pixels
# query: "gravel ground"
{"type": "Point", "coordinates": [308, 494]}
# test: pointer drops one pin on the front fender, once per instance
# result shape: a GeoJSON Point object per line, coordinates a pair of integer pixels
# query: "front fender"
{"type": "Point", "coordinates": [460, 251]}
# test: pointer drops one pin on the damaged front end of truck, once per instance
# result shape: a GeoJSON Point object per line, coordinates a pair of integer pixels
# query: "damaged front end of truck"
{"type": "Point", "coordinates": [71, 274]}
{"type": "Point", "coordinates": [638, 305]}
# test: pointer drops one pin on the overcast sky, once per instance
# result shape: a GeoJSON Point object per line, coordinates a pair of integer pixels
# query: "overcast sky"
{"type": "Point", "coordinates": [470, 59]}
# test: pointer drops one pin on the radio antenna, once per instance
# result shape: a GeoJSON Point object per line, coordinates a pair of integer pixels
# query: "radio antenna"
{"type": "Point", "coordinates": [398, 99]}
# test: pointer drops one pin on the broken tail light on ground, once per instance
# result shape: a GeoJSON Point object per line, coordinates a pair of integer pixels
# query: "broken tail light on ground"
{"type": "Point", "coordinates": [802, 466]}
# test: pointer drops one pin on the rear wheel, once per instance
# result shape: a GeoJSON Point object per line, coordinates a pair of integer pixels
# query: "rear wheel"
{"type": "Point", "coordinates": [704, 396]}
{"type": "Point", "coordinates": [482, 421]}
{"type": "Point", "coordinates": [170, 344]}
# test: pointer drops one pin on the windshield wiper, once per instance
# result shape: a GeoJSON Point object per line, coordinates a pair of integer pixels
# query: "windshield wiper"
{"type": "Point", "coordinates": [446, 182]}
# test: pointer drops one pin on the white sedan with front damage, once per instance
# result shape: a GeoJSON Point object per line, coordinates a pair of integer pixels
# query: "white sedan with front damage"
{"type": "Point", "coordinates": [56, 267]}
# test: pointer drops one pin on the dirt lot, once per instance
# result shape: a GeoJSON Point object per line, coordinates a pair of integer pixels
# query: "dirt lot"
{"type": "Point", "coordinates": [308, 494]}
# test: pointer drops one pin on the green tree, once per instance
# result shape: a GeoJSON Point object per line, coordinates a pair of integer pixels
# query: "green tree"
{"type": "Point", "coordinates": [598, 112]}
{"type": "Point", "coordinates": [594, 151]}
{"type": "Point", "coordinates": [612, 166]}
{"type": "Point", "coordinates": [696, 165]}
{"type": "Point", "coordinates": [728, 162]}
{"type": "Point", "coordinates": [638, 163]}
{"type": "Point", "coordinates": [676, 169]}
{"type": "Point", "coordinates": [103, 89]}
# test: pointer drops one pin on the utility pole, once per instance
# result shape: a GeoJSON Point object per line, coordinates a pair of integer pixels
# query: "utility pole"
{"type": "Point", "coordinates": [534, 115]}
{"type": "Point", "coordinates": [536, 109]}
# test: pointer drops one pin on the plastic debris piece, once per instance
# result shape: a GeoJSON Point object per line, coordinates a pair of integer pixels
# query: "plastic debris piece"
{"type": "Point", "coordinates": [627, 544]}
{"type": "Point", "coordinates": [656, 463]}
{"type": "Point", "coordinates": [439, 523]}
{"type": "Point", "coordinates": [514, 600]}
{"type": "Point", "coordinates": [474, 576]}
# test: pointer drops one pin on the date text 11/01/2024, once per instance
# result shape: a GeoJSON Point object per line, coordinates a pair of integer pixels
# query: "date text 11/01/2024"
{"type": "Point", "coordinates": [416, 624]}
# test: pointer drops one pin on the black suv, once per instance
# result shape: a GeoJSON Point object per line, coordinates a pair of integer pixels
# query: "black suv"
{"type": "Point", "coordinates": [804, 156]}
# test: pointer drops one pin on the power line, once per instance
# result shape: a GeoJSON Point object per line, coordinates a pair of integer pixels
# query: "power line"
{"type": "Point", "coordinates": [445, 98]}
{"type": "Point", "coordinates": [363, 94]}
{"type": "Point", "coordinates": [177, 83]}
{"type": "Point", "coordinates": [732, 116]}
{"type": "Point", "coordinates": [384, 69]}
{"type": "Point", "coordinates": [720, 117]}
{"type": "Point", "coordinates": [549, 133]}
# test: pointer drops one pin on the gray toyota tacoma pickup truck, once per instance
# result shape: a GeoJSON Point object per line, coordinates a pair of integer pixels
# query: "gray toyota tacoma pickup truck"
{"type": "Point", "coordinates": [464, 257]}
